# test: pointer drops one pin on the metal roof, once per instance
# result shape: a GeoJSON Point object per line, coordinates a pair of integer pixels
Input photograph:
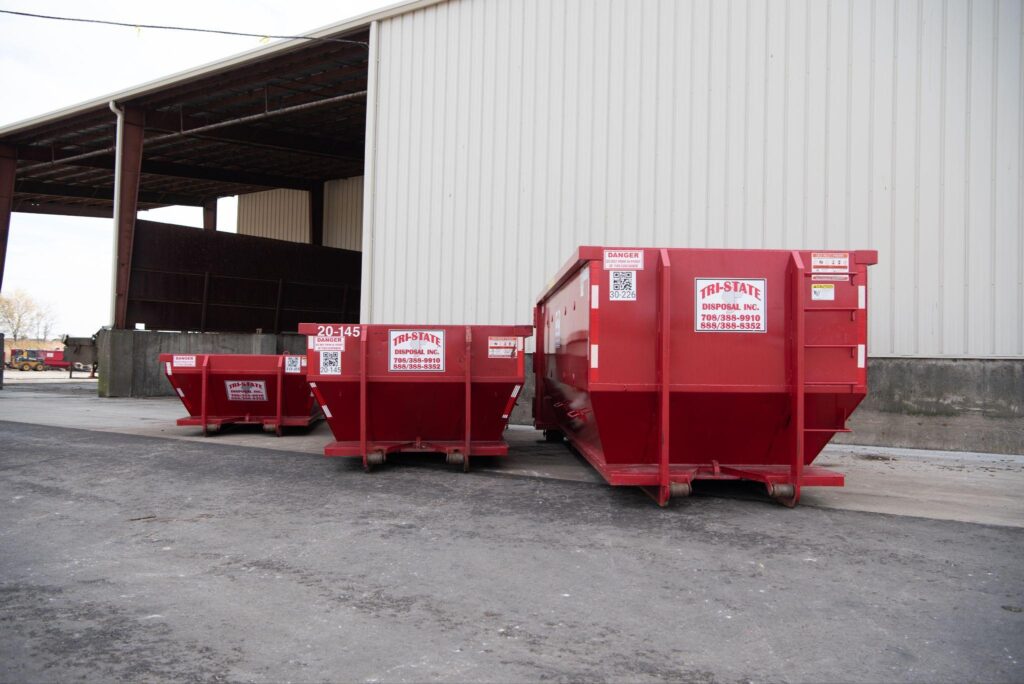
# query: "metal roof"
{"type": "Point", "coordinates": [291, 114]}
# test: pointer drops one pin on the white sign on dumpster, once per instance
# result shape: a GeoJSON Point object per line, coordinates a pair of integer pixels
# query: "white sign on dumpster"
{"type": "Point", "coordinates": [416, 350]}
{"type": "Point", "coordinates": [730, 305]}
{"type": "Point", "coordinates": [246, 390]}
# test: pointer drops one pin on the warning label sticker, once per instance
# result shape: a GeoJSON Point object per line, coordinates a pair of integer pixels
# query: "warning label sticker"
{"type": "Point", "coordinates": [730, 305]}
{"type": "Point", "coordinates": [623, 260]}
{"type": "Point", "coordinates": [329, 343]}
{"type": "Point", "coordinates": [502, 347]}
{"type": "Point", "coordinates": [416, 350]}
{"type": "Point", "coordinates": [833, 278]}
{"type": "Point", "coordinates": [622, 286]}
{"type": "Point", "coordinates": [830, 262]}
{"type": "Point", "coordinates": [185, 361]}
{"type": "Point", "coordinates": [293, 364]}
{"type": "Point", "coordinates": [246, 390]}
{"type": "Point", "coordinates": [821, 292]}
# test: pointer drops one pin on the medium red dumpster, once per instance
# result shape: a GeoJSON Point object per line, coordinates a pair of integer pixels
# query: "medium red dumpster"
{"type": "Point", "coordinates": [412, 388]}
{"type": "Point", "coordinates": [219, 389]}
{"type": "Point", "coordinates": [664, 366]}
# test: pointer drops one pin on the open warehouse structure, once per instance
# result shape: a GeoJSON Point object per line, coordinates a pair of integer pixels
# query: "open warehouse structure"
{"type": "Point", "coordinates": [441, 158]}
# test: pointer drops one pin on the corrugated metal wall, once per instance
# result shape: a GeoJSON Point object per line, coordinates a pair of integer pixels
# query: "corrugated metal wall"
{"type": "Point", "coordinates": [505, 133]}
{"type": "Point", "coordinates": [278, 214]}
{"type": "Point", "coordinates": [284, 214]}
{"type": "Point", "coordinates": [343, 213]}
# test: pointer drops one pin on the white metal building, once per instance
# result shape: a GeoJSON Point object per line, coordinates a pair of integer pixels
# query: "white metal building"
{"type": "Point", "coordinates": [503, 133]}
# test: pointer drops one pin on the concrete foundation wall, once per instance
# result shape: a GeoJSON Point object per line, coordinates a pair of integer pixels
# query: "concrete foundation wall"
{"type": "Point", "coordinates": [952, 404]}
{"type": "Point", "coordinates": [129, 365]}
{"type": "Point", "coordinates": [948, 404]}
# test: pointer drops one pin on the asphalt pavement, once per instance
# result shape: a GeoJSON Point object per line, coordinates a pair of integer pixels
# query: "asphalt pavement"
{"type": "Point", "coordinates": [165, 556]}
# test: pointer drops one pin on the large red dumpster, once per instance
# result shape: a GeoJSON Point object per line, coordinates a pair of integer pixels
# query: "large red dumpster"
{"type": "Point", "coordinates": [412, 388]}
{"type": "Point", "coordinates": [664, 366]}
{"type": "Point", "coordinates": [261, 389]}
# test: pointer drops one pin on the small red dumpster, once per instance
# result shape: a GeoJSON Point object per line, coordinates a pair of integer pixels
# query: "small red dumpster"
{"type": "Point", "coordinates": [664, 366]}
{"type": "Point", "coordinates": [416, 388]}
{"type": "Point", "coordinates": [260, 389]}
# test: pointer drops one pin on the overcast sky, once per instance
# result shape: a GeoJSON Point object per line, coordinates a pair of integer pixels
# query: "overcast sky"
{"type": "Point", "coordinates": [65, 262]}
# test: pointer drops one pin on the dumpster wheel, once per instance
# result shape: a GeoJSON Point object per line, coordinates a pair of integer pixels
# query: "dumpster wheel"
{"type": "Point", "coordinates": [784, 493]}
{"type": "Point", "coordinates": [554, 436]}
{"type": "Point", "coordinates": [374, 458]}
{"type": "Point", "coordinates": [457, 458]}
{"type": "Point", "coordinates": [679, 489]}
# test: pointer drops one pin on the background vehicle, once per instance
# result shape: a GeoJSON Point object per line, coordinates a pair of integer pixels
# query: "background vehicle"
{"type": "Point", "coordinates": [26, 359]}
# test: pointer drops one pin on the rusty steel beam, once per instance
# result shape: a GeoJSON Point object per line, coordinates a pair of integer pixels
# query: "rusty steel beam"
{"type": "Point", "coordinates": [175, 170]}
{"type": "Point", "coordinates": [316, 215]}
{"type": "Point", "coordinates": [173, 122]}
{"type": "Point", "coordinates": [206, 129]}
{"type": "Point", "coordinates": [8, 165]}
{"type": "Point", "coordinates": [126, 204]}
{"type": "Point", "coordinates": [31, 187]}
{"type": "Point", "coordinates": [59, 209]}
{"type": "Point", "coordinates": [210, 215]}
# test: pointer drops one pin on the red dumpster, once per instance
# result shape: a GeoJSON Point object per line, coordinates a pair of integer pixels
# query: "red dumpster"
{"type": "Point", "coordinates": [260, 389]}
{"type": "Point", "coordinates": [54, 358]}
{"type": "Point", "coordinates": [437, 388]}
{"type": "Point", "coordinates": [664, 366]}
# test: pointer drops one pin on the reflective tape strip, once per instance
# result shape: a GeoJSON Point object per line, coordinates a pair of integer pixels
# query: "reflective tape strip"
{"type": "Point", "coordinates": [593, 356]}
{"type": "Point", "coordinates": [181, 392]}
{"type": "Point", "coordinates": [861, 353]}
{"type": "Point", "coordinates": [511, 401]}
{"type": "Point", "coordinates": [594, 298]}
{"type": "Point", "coordinates": [327, 411]}
{"type": "Point", "coordinates": [169, 371]}
{"type": "Point", "coordinates": [861, 296]}
{"type": "Point", "coordinates": [313, 385]}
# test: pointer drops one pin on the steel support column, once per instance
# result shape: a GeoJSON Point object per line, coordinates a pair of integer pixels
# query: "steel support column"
{"type": "Point", "coordinates": [316, 214]}
{"type": "Point", "coordinates": [8, 162]}
{"type": "Point", "coordinates": [127, 174]}
{"type": "Point", "coordinates": [210, 214]}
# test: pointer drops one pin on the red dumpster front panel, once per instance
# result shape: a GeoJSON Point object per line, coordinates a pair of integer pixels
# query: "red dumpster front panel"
{"type": "Point", "coordinates": [416, 388]}
{"type": "Point", "coordinates": [663, 366]}
{"type": "Point", "coordinates": [219, 389]}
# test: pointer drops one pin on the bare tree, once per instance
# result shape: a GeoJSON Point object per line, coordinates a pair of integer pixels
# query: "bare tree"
{"type": "Point", "coordinates": [44, 322]}
{"type": "Point", "coordinates": [18, 314]}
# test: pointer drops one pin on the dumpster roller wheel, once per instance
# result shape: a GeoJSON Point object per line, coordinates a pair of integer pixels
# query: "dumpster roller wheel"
{"type": "Point", "coordinates": [554, 436]}
{"type": "Point", "coordinates": [784, 493]}
{"type": "Point", "coordinates": [679, 489]}
{"type": "Point", "coordinates": [457, 458]}
{"type": "Point", "coordinates": [374, 458]}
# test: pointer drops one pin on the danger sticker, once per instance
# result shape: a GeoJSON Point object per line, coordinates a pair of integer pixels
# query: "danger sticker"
{"type": "Point", "coordinates": [502, 347]}
{"type": "Point", "coordinates": [416, 350]}
{"type": "Point", "coordinates": [329, 343]}
{"type": "Point", "coordinates": [623, 260]}
{"type": "Point", "coordinates": [185, 361]}
{"type": "Point", "coordinates": [830, 262]}
{"type": "Point", "coordinates": [730, 305]}
{"type": "Point", "coordinates": [246, 390]}
{"type": "Point", "coordinates": [293, 364]}
{"type": "Point", "coordinates": [821, 292]}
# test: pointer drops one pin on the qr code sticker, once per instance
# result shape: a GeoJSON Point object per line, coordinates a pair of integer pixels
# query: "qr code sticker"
{"type": "Point", "coordinates": [623, 286]}
{"type": "Point", "coordinates": [293, 364]}
{"type": "Point", "coordinates": [330, 363]}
